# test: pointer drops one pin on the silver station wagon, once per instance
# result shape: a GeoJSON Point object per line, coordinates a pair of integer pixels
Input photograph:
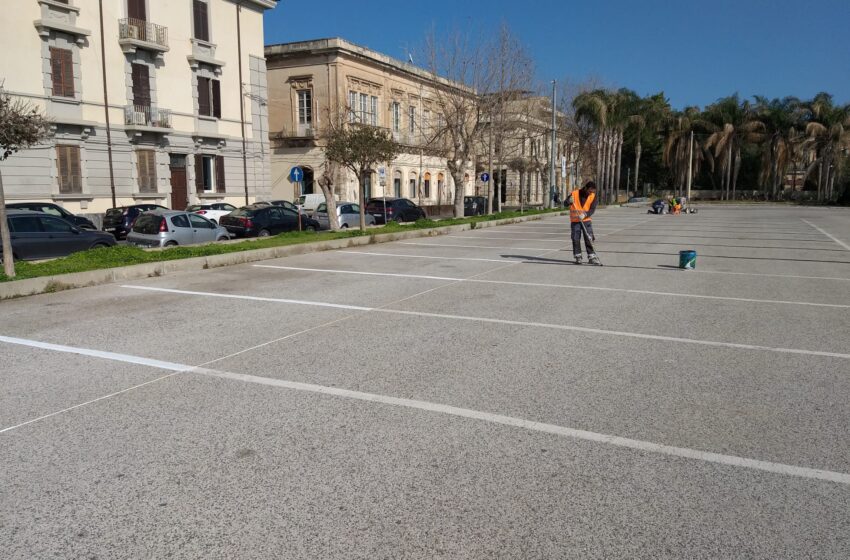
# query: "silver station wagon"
{"type": "Point", "coordinates": [168, 228]}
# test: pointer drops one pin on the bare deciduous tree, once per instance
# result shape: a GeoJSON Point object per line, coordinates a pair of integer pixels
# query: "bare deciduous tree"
{"type": "Point", "coordinates": [326, 183]}
{"type": "Point", "coordinates": [21, 126]}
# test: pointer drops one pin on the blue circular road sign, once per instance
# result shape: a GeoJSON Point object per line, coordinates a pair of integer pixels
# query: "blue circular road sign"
{"type": "Point", "coordinates": [485, 177]}
{"type": "Point", "coordinates": [296, 175]}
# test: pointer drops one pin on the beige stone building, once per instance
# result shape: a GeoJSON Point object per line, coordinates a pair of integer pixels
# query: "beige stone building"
{"type": "Point", "coordinates": [309, 82]}
{"type": "Point", "coordinates": [181, 105]}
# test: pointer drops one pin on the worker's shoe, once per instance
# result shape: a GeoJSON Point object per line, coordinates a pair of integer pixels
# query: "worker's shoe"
{"type": "Point", "coordinates": [593, 259]}
{"type": "Point", "coordinates": [577, 258]}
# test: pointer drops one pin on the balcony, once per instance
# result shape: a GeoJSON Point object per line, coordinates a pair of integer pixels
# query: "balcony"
{"type": "Point", "coordinates": [143, 118]}
{"type": "Point", "coordinates": [139, 34]}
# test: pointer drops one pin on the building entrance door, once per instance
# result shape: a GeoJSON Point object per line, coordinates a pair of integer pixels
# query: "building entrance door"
{"type": "Point", "coordinates": [179, 189]}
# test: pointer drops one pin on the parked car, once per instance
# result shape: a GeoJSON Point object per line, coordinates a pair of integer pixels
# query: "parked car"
{"type": "Point", "coordinates": [285, 204]}
{"type": "Point", "coordinates": [168, 228]}
{"type": "Point", "coordinates": [38, 235]}
{"type": "Point", "coordinates": [262, 221]}
{"type": "Point", "coordinates": [348, 214]}
{"type": "Point", "coordinates": [212, 211]}
{"type": "Point", "coordinates": [119, 220]}
{"type": "Point", "coordinates": [398, 209]}
{"type": "Point", "coordinates": [474, 205]}
{"type": "Point", "coordinates": [309, 202]}
{"type": "Point", "coordinates": [54, 210]}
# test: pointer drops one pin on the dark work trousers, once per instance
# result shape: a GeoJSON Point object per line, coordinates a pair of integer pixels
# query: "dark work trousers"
{"type": "Point", "coordinates": [577, 234]}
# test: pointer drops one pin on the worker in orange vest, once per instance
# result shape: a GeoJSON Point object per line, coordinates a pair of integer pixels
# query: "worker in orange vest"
{"type": "Point", "coordinates": [582, 207]}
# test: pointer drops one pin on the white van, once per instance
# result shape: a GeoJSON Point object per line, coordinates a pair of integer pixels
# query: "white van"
{"type": "Point", "coordinates": [309, 202]}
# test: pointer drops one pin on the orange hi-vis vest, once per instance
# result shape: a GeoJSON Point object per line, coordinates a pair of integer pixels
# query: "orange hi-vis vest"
{"type": "Point", "coordinates": [576, 208]}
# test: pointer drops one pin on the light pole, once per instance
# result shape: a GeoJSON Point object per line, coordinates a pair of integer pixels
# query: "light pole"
{"type": "Point", "coordinates": [552, 150]}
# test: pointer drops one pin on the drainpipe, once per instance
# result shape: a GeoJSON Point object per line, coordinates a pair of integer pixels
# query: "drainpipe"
{"type": "Point", "coordinates": [241, 97]}
{"type": "Point", "coordinates": [106, 108]}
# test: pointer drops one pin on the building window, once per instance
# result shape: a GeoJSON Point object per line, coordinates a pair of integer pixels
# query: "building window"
{"type": "Point", "coordinates": [305, 106]}
{"type": "Point", "coordinates": [412, 186]}
{"type": "Point", "coordinates": [411, 118]}
{"type": "Point", "coordinates": [136, 10]}
{"type": "Point", "coordinates": [146, 165]}
{"type": "Point", "coordinates": [373, 114]}
{"type": "Point", "coordinates": [62, 71]}
{"type": "Point", "coordinates": [352, 106]}
{"type": "Point", "coordinates": [69, 172]}
{"type": "Point", "coordinates": [209, 97]}
{"type": "Point", "coordinates": [200, 12]}
{"type": "Point", "coordinates": [141, 86]}
{"type": "Point", "coordinates": [209, 173]}
{"type": "Point", "coordinates": [364, 107]}
{"type": "Point", "coordinates": [396, 116]}
{"type": "Point", "coordinates": [426, 186]}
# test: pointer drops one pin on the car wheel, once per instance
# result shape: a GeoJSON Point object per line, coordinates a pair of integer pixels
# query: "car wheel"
{"type": "Point", "coordinates": [99, 246]}
{"type": "Point", "coordinates": [399, 219]}
{"type": "Point", "coordinates": [264, 233]}
{"type": "Point", "coordinates": [223, 239]}
{"type": "Point", "coordinates": [171, 244]}
{"type": "Point", "coordinates": [343, 226]}
{"type": "Point", "coordinates": [310, 228]}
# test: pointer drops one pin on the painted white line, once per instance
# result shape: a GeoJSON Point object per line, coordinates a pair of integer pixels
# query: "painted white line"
{"type": "Point", "coordinates": [251, 298]}
{"type": "Point", "coordinates": [419, 256]}
{"type": "Point", "coordinates": [536, 325]}
{"type": "Point", "coordinates": [826, 233]}
{"type": "Point", "coordinates": [87, 403]}
{"type": "Point", "coordinates": [471, 237]}
{"type": "Point", "coordinates": [666, 271]}
{"type": "Point", "coordinates": [355, 272]}
{"type": "Point", "coordinates": [94, 353]}
{"type": "Point", "coordinates": [437, 408]}
{"type": "Point", "coordinates": [502, 248]}
{"type": "Point", "coordinates": [557, 286]}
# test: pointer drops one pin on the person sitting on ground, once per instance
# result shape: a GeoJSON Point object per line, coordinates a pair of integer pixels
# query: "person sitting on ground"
{"type": "Point", "coordinates": [657, 207]}
{"type": "Point", "coordinates": [582, 206]}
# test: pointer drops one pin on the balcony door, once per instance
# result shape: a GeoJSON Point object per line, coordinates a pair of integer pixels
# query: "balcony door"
{"type": "Point", "coordinates": [136, 10]}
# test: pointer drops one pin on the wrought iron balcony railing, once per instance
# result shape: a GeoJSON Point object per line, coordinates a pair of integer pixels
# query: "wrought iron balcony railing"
{"type": "Point", "coordinates": [145, 115]}
{"type": "Point", "coordinates": [144, 31]}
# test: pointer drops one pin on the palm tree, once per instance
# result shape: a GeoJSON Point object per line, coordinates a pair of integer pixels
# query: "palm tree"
{"type": "Point", "coordinates": [592, 107]}
{"type": "Point", "coordinates": [677, 146]}
{"type": "Point", "coordinates": [781, 137]}
{"type": "Point", "coordinates": [828, 137]}
{"type": "Point", "coordinates": [645, 114]}
{"type": "Point", "coordinates": [735, 125]}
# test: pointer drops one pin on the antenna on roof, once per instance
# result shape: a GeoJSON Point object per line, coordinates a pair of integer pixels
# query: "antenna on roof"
{"type": "Point", "coordinates": [410, 58]}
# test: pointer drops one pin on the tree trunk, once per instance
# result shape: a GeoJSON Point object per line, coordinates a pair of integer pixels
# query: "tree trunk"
{"type": "Point", "coordinates": [728, 170]}
{"type": "Point", "coordinates": [361, 198]}
{"type": "Point", "coordinates": [619, 170]}
{"type": "Point", "coordinates": [599, 160]}
{"type": "Point", "coordinates": [612, 162]}
{"type": "Point", "coordinates": [8, 257]}
{"type": "Point", "coordinates": [820, 181]}
{"type": "Point", "coordinates": [603, 166]}
{"type": "Point", "coordinates": [737, 170]}
{"type": "Point", "coordinates": [330, 200]}
{"type": "Point", "coordinates": [638, 148]}
{"type": "Point", "coordinates": [457, 177]}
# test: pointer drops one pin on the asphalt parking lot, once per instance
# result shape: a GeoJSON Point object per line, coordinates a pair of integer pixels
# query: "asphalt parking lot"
{"type": "Point", "coordinates": [468, 396]}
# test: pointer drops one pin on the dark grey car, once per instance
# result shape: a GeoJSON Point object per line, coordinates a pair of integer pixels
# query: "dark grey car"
{"type": "Point", "coordinates": [36, 235]}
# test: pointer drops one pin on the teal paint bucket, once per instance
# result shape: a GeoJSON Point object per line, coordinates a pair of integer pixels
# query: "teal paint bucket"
{"type": "Point", "coordinates": [687, 260]}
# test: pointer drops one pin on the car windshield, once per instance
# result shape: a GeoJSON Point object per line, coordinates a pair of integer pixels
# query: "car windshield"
{"type": "Point", "coordinates": [241, 212]}
{"type": "Point", "coordinates": [194, 208]}
{"type": "Point", "coordinates": [115, 212]}
{"type": "Point", "coordinates": [147, 224]}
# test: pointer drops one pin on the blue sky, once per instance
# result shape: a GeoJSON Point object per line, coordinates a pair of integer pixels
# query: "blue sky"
{"type": "Point", "coordinates": [694, 51]}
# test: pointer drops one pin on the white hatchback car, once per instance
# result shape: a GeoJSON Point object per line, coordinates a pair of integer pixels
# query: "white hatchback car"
{"type": "Point", "coordinates": [212, 211]}
{"type": "Point", "coordinates": [347, 212]}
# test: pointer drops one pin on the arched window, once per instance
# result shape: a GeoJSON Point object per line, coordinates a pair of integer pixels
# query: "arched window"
{"type": "Point", "coordinates": [426, 185]}
{"type": "Point", "coordinates": [412, 184]}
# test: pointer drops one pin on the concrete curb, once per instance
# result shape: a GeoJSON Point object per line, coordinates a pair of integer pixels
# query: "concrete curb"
{"type": "Point", "coordinates": [49, 284]}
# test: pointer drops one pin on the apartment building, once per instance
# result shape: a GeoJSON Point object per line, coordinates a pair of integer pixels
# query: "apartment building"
{"type": "Point", "coordinates": [313, 81]}
{"type": "Point", "coordinates": [182, 84]}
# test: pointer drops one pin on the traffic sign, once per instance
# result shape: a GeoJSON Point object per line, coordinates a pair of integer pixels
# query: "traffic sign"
{"type": "Point", "coordinates": [382, 172]}
{"type": "Point", "coordinates": [485, 177]}
{"type": "Point", "coordinates": [296, 174]}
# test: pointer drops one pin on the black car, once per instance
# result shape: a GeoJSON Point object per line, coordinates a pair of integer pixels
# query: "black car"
{"type": "Point", "coordinates": [474, 205]}
{"type": "Point", "coordinates": [118, 221]}
{"type": "Point", "coordinates": [259, 220]}
{"type": "Point", "coordinates": [38, 235]}
{"type": "Point", "coordinates": [54, 210]}
{"type": "Point", "coordinates": [285, 204]}
{"type": "Point", "coordinates": [398, 209]}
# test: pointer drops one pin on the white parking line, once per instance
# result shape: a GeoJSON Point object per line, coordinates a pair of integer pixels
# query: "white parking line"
{"type": "Point", "coordinates": [468, 237]}
{"type": "Point", "coordinates": [553, 326]}
{"type": "Point", "coordinates": [700, 271]}
{"type": "Point", "coordinates": [437, 408]}
{"type": "Point", "coordinates": [546, 285]}
{"type": "Point", "coordinates": [826, 233]}
{"type": "Point", "coordinates": [477, 246]}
